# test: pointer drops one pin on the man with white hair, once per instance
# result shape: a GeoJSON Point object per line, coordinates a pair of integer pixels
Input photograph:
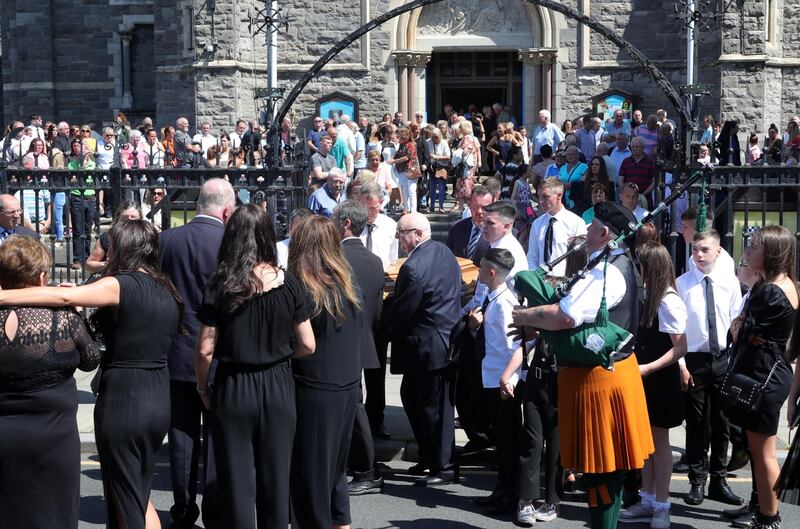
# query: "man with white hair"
{"type": "Point", "coordinates": [62, 139]}
{"type": "Point", "coordinates": [184, 148]}
{"type": "Point", "coordinates": [346, 133]}
{"type": "Point", "coordinates": [189, 258]}
{"type": "Point", "coordinates": [325, 199]}
{"type": "Point", "coordinates": [545, 134]}
{"type": "Point", "coordinates": [619, 124]}
{"type": "Point", "coordinates": [425, 309]}
{"type": "Point", "coordinates": [205, 138]}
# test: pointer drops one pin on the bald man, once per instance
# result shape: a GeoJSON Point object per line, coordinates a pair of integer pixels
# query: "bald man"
{"type": "Point", "coordinates": [11, 219]}
{"type": "Point", "coordinates": [425, 309]}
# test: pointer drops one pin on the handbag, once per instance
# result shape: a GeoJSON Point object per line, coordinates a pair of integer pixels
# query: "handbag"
{"type": "Point", "coordinates": [413, 171]}
{"type": "Point", "coordinates": [440, 173]}
{"type": "Point", "coordinates": [743, 392]}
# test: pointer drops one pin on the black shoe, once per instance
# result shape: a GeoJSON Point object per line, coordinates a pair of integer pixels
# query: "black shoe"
{"type": "Point", "coordinates": [719, 490]}
{"type": "Point", "coordinates": [183, 518]}
{"type": "Point", "coordinates": [419, 469]}
{"type": "Point", "coordinates": [491, 498]}
{"type": "Point", "coordinates": [739, 459]}
{"type": "Point", "coordinates": [366, 486]}
{"type": "Point", "coordinates": [381, 432]}
{"type": "Point", "coordinates": [745, 521]}
{"type": "Point", "coordinates": [445, 477]}
{"type": "Point", "coordinates": [732, 514]}
{"type": "Point", "coordinates": [504, 505]}
{"type": "Point", "coordinates": [696, 494]}
{"type": "Point", "coordinates": [473, 447]}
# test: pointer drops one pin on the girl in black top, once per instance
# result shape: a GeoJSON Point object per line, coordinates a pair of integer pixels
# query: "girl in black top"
{"type": "Point", "coordinates": [39, 351]}
{"type": "Point", "coordinates": [327, 382]}
{"type": "Point", "coordinates": [761, 334]}
{"type": "Point", "coordinates": [254, 318]}
{"type": "Point", "coordinates": [139, 313]}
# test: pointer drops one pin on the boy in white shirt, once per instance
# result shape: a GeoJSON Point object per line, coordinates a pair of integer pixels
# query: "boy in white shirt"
{"type": "Point", "coordinates": [490, 323]}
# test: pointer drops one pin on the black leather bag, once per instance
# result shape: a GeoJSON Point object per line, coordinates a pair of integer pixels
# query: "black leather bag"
{"type": "Point", "coordinates": [743, 392]}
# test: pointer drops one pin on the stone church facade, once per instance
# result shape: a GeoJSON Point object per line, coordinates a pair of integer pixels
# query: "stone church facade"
{"type": "Point", "coordinates": [80, 60]}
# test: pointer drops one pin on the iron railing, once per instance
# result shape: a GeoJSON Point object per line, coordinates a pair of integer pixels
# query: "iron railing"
{"type": "Point", "coordinates": [281, 190]}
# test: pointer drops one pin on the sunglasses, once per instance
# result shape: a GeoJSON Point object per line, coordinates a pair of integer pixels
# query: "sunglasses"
{"type": "Point", "coordinates": [159, 193]}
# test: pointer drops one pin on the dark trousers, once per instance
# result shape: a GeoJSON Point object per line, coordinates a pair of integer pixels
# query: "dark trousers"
{"type": "Point", "coordinates": [438, 191]}
{"type": "Point", "coordinates": [506, 420]}
{"type": "Point", "coordinates": [706, 422]}
{"type": "Point", "coordinates": [375, 382]}
{"type": "Point", "coordinates": [320, 496]}
{"type": "Point", "coordinates": [427, 398]}
{"type": "Point", "coordinates": [253, 424]}
{"type": "Point", "coordinates": [82, 211]}
{"type": "Point", "coordinates": [470, 399]}
{"type": "Point", "coordinates": [188, 420]}
{"type": "Point", "coordinates": [540, 430]}
{"type": "Point", "coordinates": [362, 447]}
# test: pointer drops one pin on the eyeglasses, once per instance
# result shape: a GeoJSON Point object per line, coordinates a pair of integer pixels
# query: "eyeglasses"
{"type": "Point", "coordinates": [86, 130]}
{"type": "Point", "coordinates": [11, 211]}
{"type": "Point", "coordinates": [158, 193]}
{"type": "Point", "coordinates": [403, 232]}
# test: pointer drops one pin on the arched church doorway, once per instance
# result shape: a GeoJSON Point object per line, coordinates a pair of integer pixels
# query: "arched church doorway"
{"type": "Point", "coordinates": [469, 81]}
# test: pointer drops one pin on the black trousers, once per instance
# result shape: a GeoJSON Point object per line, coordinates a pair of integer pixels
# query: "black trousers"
{"type": "Point", "coordinates": [253, 424]}
{"type": "Point", "coordinates": [375, 382]}
{"type": "Point", "coordinates": [539, 431]}
{"type": "Point", "coordinates": [82, 211]}
{"type": "Point", "coordinates": [320, 496]}
{"type": "Point", "coordinates": [362, 447]}
{"type": "Point", "coordinates": [427, 398]}
{"type": "Point", "coordinates": [187, 421]}
{"type": "Point", "coordinates": [506, 420]}
{"type": "Point", "coordinates": [470, 399]}
{"type": "Point", "coordinates": [707, 424]}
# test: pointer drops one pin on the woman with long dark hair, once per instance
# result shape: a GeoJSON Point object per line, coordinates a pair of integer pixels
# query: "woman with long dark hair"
{"type": "Point", "coordinates": [328, 381]}
{"type": "Point", "coordinates": [761, 334]}
{"type": "Point", "coordinates": [582, 190]}
{"type": "Point", "coordinates": [139, 311]}
{"type": "Point", "coordinates": [254, 318]}
{"type": "Point", "coordinates": [660, 343]}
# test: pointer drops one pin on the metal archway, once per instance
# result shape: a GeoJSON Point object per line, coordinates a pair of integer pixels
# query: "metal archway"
{"type": "Point", "coordinates": [651, 69]}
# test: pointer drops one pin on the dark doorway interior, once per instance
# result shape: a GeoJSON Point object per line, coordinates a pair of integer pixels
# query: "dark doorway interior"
{"type": "Point", "coordinates": [479, 78]}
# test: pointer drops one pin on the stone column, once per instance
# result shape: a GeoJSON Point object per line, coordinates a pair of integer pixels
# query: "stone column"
{"type": "Point", "coordinates": [127, 69]}
{"type": "Point", "coordinates": [537, 70]}
{"type": "Point", "coordinates": [409, 64]}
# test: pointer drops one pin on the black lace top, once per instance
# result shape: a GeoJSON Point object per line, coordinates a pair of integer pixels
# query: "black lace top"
{"type": "Point", "coordinates": [46, 348]}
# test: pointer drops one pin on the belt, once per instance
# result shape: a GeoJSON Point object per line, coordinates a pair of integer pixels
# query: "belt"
{"type": "Point", "coordinates": [538, 373]}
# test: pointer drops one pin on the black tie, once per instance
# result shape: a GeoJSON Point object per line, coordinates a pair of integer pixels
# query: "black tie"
{"type": "Point", "coordinates": [713, 339]}
{"type": "Point", "coordinates": [548, 240]}
{"type": "Point", "coordinates": [480, 335]}
{"type": "Point", "coordinates": [472, 246]}
{"type": "Point", "coordinates": [370, 227]}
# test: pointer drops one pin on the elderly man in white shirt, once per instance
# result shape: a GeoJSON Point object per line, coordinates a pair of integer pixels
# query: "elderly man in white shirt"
{"type": "Point", "coordinates": [551, 232]}
{"type": "Point", "coordinates": [545, 134]}
{"type": "Point", "coordinates": [712, 301]}
{"type": "Point", "coordinates": [205, 138]}
{"type": "Point", "coordinates": [379, 233]}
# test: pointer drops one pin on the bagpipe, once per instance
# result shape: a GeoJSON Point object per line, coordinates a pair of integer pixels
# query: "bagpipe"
{"type": "Point", "coordinates": [593, 343]}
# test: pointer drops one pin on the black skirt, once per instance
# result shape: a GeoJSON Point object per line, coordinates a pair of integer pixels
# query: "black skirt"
{"type": "Point", "coordinates": [40, 450]}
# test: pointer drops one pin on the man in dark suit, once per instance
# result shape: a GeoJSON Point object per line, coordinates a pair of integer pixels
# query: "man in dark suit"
{"type": "Point", "coordinates": [426, 307]}
{"type": "Point", "coordinates": [350, 218]}
{"type": "Point", "coordinates": [189, 258]}
{"type": "Point", "coordinates": [11, 219]}
{"type": "Point", "coordinates": [465, 236]}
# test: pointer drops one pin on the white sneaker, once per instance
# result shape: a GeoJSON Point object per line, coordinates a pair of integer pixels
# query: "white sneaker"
{"type": "Point", "coordinates": [636, 514]}
{"type": "Point", "coordinates": [526, 514]}
{"type": "Point", "coordinates": [660, 519]}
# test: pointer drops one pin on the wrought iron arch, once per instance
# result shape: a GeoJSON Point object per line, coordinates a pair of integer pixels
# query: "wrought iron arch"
{"type": "Point", "coordinates": [651, 69]}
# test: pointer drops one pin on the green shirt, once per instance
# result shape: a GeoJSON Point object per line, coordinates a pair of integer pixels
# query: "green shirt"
{"type": "Point", "coordinates": [88, 165]}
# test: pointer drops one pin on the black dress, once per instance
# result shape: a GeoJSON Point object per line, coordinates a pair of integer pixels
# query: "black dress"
{"type": "Point", "coordinates": [770, 316]}
{"type": "Point", "coordinates": [39, 444]}
{"type": "Point", "coordinates": [131, 416]}
{"type": "Point", "coordinates": [253, 402]}
{"type": "Point", "coordinates": [327, 394]}
{"type": "Point", "coordinates": [662, 389]}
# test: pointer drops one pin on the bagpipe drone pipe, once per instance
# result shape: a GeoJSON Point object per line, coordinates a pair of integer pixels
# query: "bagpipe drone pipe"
{"type": "Point", "coordinates": [594, 343]}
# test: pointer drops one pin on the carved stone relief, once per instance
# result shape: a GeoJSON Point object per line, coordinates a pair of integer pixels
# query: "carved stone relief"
{"type": "Point", "coordinates": [474, 16]}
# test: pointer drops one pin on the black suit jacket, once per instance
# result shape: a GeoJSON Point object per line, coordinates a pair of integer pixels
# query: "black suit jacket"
{"type": "Point", "coordinates": [368, 273]}
{"type": "Point", "coordinates": [189, 257]}
{"type": "Point", "coordinates": [22, 231]}
{"type": "Point", "coordinates": [426, 307]}
{"type": "Point", "coordinates": [458, 240]}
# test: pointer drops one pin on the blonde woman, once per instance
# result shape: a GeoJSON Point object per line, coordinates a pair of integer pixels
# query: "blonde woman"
{"type": "Point", "coordinates": [470, 161]}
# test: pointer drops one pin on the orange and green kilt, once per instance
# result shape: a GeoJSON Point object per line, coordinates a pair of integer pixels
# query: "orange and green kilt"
{"type": "Point", "coordinates": [603, 418]}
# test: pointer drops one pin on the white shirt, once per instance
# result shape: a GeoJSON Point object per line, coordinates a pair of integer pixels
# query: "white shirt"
{"type": "Point", "coordinates": [499, 347]}
{"type": "Point", "coordinates": [510, 243]}
{"type": "Point", "coordinates": [205, 142]}
{"type": "Point", "coordinates": [727, 301]}
{"type": "Point", "coordinates": [672, 314]}
{"type": "Point", "coordinates": [236, 140]}
{"type": "Point", "coordinates": [566, 226]}
{"type": "Point", "coordinates": [583, 300]}
{"type": "Point", "coordinates": [345, 133]}
{"type": "Point", "coordinates": [283, 252]}
{"type": "Point", "coordinates": [384, 242]}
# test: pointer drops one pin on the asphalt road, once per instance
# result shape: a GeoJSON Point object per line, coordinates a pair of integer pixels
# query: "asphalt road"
{"type": "Point", "coordinates": [404, 506]}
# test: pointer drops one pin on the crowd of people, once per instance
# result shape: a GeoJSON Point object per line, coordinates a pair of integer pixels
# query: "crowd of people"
{"type": "Point", "coordinates": [260, 346]}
